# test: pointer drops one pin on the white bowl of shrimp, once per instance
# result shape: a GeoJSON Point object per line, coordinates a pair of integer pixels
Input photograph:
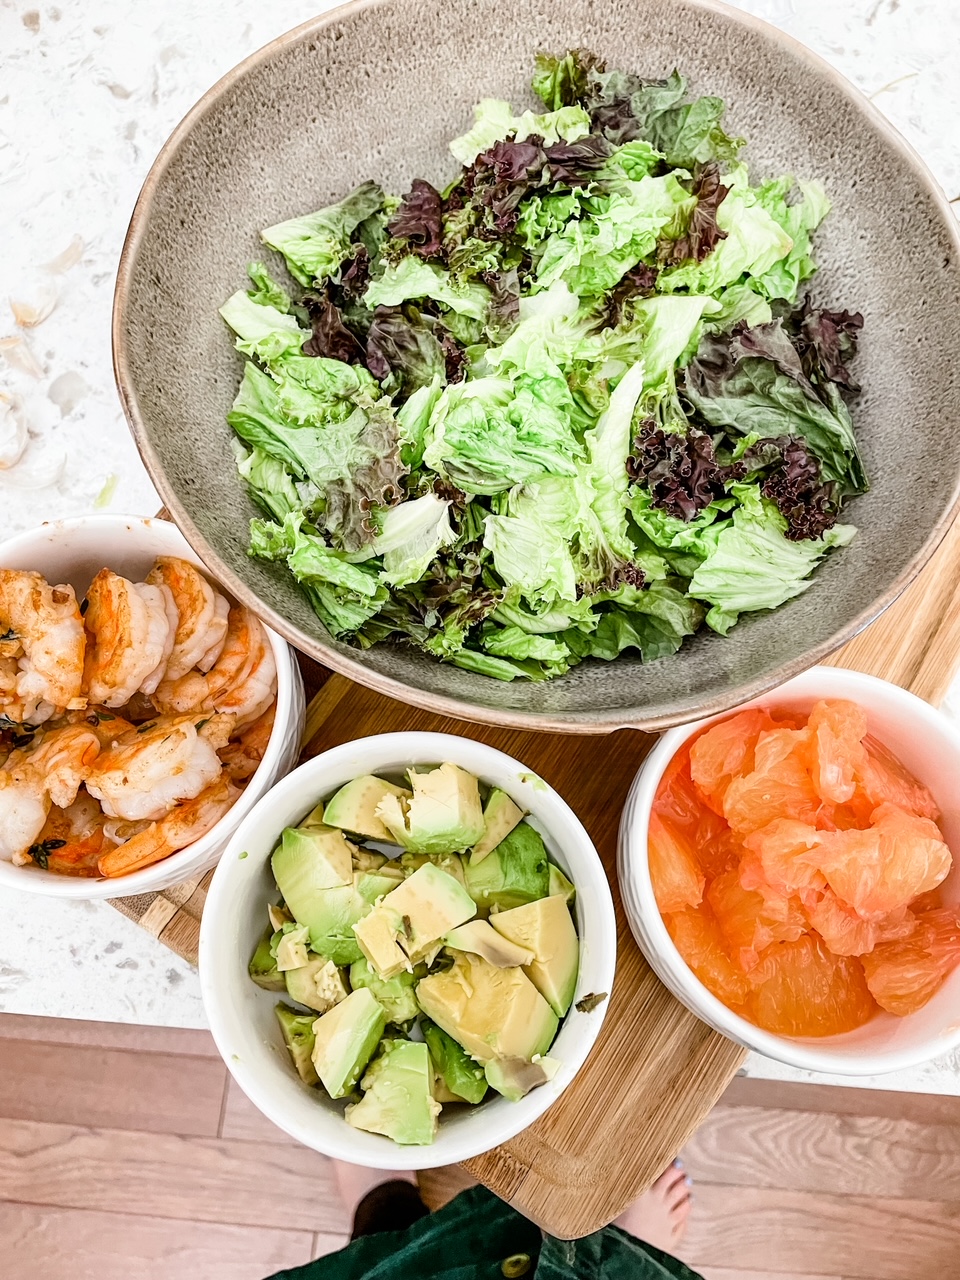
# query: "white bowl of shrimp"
{"type": "Point", "coordinates": [142, 712]}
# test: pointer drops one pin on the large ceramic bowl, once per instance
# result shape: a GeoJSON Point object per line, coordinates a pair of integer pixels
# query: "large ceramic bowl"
{"type": "Point", "coordinates": [929, 745]}
{"type": "Point", "coordinates": [241, 1015]}
{"type": "Point", "coordinates": [74, 551]}
{"type": "Point", "coordinates": [376, 90]}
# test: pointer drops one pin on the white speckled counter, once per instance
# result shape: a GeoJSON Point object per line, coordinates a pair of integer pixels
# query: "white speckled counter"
{"type": "Point", "coordinates": [88, 94]}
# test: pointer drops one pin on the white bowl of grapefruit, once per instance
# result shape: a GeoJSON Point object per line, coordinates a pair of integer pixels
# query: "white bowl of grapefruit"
{"type": "Point", "coordinates": [789, 871]}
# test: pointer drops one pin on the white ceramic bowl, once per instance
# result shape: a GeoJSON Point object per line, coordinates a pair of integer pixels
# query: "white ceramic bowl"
{"type": "Point", "coordinates": [241, 1015]}
{"type": "Point", "coordinates": [74, 551]}
{"type": "Point", "coordinates": [929, 745]}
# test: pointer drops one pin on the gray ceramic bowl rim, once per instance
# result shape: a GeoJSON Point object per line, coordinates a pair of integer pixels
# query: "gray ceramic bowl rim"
{"type": "Point", "coordinates": [600, 722]}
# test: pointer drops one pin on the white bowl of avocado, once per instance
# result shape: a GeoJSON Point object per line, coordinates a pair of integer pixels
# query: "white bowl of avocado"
{"type": "Point", "coordinates": [407, 950]}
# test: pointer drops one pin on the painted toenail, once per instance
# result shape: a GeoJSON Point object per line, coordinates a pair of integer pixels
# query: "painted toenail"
{"type": "Point", "coordinates": [678, 1164]}
{"type": "Point", "coordinates": [688, 1180]}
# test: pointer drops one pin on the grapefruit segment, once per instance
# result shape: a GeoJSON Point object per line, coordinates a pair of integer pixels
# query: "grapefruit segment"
{"type": "Point", "coordinates": [801, 989]}
{"type": "Point", "coordinates": [846, 933]}
{"type": "Point", "coordinates": [779, 847]}
{"type": "Point", "coordinates": [902, 975]}
{"type": "Point", "coordinates": [837, 754]}
{"type": "Point", "coordinates": [677, 880]}
{"type": "Point", "coordinates": [696, 936]}
{"type": "Point", "coordinates": [725, 751]}
{"type": "Point", "coordinates": [885, 779]}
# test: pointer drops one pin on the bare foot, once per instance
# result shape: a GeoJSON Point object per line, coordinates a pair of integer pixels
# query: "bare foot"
{"type": "Point", "coordinates": [659, 1216]}
{"type": "Point", "coordinates": [354, 1181]}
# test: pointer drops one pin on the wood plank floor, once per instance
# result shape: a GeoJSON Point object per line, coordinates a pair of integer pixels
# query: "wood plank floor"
{"type": "Point", "coordinates": [128, 1151]}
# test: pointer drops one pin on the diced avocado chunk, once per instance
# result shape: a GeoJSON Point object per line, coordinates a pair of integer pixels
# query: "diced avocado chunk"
{"type": "Point", "coordinates": [398, 1096]}
{"type": "Point", "coordinates": [354, 807]}
{"type": "Point", "coordinates": [367, 860]}
{"type": "Point", "coordinates": [461, 1075]}
{"type": "Point", "coordinates": [297, 1031]}
{"type": "Point", "coordinates": [412, 918]}
{"type": "Point", "coordinates": [558, 883]}
{"type": "Point", "coordinates": [443, 815]}
{"type": "Point", "coordinates": [306, 865]}
{"type": "Point", "coordinates": [452, 863]}
{"type": "Point", "coordinates": [372, 885]}
{"type": "Point", "coordinates": [515, 1077]}
{"type": "Point", "coordinates": [334, 912]}
{"type": "Point", "coordinates": [491, 1012]}
{"type": "Point", "coordinates": [395, 994]}
{"type": "Point", "coordinates": [545, 927]}
{"type": "Point", "coordinates": [377, 940]}
{"type": "Point", "coordinates": [292, 947]}
{"type": "Point", "coordinates": [263, 966]}
{"type": "Point", "coordinates": [278, 916]}
{"type": "Point", "coordinates": [500, 816]}
{"type": "Point", "coordinates": [314, 818]}
{"type": "Point", "coordinates": [478, 936]}
{"type": "Point", "coordinates": [515, 872]}
{"type": "Point", "coordinates": [318, 984]}
{"type": "Point", "coordinates": [345, 1040]}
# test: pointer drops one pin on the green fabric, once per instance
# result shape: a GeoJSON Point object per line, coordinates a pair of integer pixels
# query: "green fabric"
{"type": "Point", "coordinates": [471, 1238]}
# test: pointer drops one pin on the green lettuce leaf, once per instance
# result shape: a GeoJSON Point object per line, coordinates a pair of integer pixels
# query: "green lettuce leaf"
{"type": "Point", "coordinates": [593, 252]}
{"type": "Point", "coordinates": [410, 536]}
{"type": "Point", "coordinates": [753, 565]}
{"type": "Point", "coordinates": [344, 595]}
{"type": "Point", "coordinates": [626, 107]}
{"type": "Point", "coordinates": [266, 290]}
{"type": "Point", "coordinates": [413, 418]}
{"type": "Point", "coordinates": [411, 277]}
{"type": "Point", "coordinates": [268, 482]}
{"type": "Point", "coordinates": [799, 220]}
{"type": "Point", "coordinates": [314, 246]}
{"type": "Point", "coordinates": [494, 120]}
{"type": "Point", "coordinates": [488, 434]}
{"type": "Point", "coordinates": [261, 329]}
{"type": "Point", "coordinates": [754, 243]}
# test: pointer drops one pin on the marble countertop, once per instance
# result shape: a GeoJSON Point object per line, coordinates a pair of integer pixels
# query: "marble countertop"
{"type": "Point", "coordinates": [88, 94]}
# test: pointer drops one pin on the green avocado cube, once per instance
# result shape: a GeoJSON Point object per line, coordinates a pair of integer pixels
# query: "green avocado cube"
{"type": "Point", "coordinates": [306, 864]}
{"type": "Point", "coordinates": [490, 1012]}
{"type": "Point", "coordinates": [395, 994]}
{"type": "Point", "coordinates": [318, 984]}
{"type": "Point", "coordinates": [515, 872]}
{"type": "Point", "coordinates": [546, 928]}
{"type": "Point", "coordinates": [461, 1075]}
{"type": "Point", "coordinates": [333, 915]}
{"type": "Point", "coordinates": [354, 806]}
{"type": "Point", "coordinates": [559, 884]}
{"type": "Point", "coordinates": [263, 966]}
{"type": "Point", "coordinates": [444, 814]}
{"type": "Point", "coordinates": [452, 863]}
{"type": "Point", "coordinates": [500, 816]}
{"type": "Point", "coordinates": [515, 1077]}
{"type": "Point", "coordinates": [346, 1039]}
{"type": "Point", "coordinates": [297, 1032]}
{"type": "Point", "coordinates": [398, 1096]}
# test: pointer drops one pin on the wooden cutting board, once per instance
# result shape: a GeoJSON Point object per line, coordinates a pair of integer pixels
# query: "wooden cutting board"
{"type": "Point", "coordinates": [656, 1070]}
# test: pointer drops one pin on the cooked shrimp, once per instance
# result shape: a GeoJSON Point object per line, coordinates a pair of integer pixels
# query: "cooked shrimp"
{"type": "Point", "coordinates": [41, 650]}
{"type": "Point", "coordinates": [186, 823]}
{"type": "Point", "coordinates": [242, 648]}
{"type": "Point", "coordinates": [128, 634]}
{"type": "Point", "coordinates": [164, 619]}
{"type": "Point", "coordinates": [107, 725]}
{"type": "Point", "coordinates": [217, 635]}
{"type": "Point", "coordinates": [242, 755]}
{"type": "Point", "coordinates": [149, 770]}
{"type": "Point", "coordinates": [73, 839]}
{"type": "Point", "coordinates": [257, 691]}
{"type": "Point", "coordinates": [200, 626]}
{"type": "Point", "coordinates": [48, 772]}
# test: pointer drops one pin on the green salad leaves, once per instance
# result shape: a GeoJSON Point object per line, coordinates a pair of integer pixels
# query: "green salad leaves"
{"type": "Point", "coordinates": [572, 404]}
